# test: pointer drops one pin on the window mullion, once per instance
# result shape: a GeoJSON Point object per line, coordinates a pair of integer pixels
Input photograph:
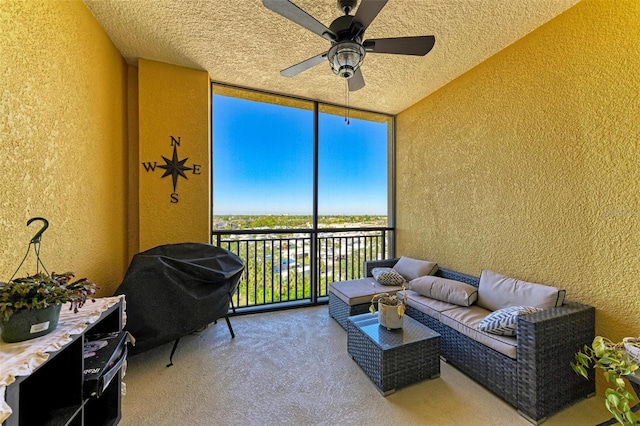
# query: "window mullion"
{"type": "Point", "coordinates": [315, 282]}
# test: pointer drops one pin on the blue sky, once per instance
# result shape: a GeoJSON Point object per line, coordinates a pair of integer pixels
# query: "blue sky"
{"type": "Point", "coordinates": [263, 161]}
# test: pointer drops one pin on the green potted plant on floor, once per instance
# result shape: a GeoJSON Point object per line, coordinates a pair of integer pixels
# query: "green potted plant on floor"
{"type": "Point", "coordinates": [616, 362]}
{"type": "Point", "coordinates": [30, 306]}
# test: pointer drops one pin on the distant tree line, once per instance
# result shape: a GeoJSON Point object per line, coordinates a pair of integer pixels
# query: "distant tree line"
{"type": "Point", "coordinates": [292, 221]}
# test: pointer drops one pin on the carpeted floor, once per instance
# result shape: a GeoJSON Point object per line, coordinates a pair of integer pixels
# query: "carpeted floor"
{"type": "Point", "coordinates": [292, 368]}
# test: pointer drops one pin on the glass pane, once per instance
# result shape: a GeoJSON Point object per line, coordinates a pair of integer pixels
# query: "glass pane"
{"type": "Point", "coordinates": [262, 155]}
{"type": "Point", "coordinates": [263, 177]}
{"type": "Point", "coordinates": [353, 171]}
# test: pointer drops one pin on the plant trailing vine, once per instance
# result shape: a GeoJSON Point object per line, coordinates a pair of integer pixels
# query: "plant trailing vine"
{"type": "Point", "coordinates": [613, 359]}
{"type": "Point", "coordinates": [41, 290]}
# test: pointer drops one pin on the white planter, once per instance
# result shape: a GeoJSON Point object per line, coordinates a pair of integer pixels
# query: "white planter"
{"type": "Point", "coordinates": [631, 346]}
{"type": "Point", "coordinates": [389, 317]}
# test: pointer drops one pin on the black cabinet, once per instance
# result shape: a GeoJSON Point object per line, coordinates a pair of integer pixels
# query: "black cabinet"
{"type": "Point", "coordinates": [53, 393]}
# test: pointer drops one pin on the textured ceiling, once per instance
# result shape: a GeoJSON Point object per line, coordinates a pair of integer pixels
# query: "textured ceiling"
{"type": "Point", "coordinates": [243, 43]}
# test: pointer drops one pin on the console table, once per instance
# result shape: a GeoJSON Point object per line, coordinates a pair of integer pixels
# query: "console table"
{"type": "Point", "coordinates": [41, 380]}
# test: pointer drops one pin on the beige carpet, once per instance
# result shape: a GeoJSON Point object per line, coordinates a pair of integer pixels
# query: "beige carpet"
{"type": "Point", "coordinates": [292, 368]}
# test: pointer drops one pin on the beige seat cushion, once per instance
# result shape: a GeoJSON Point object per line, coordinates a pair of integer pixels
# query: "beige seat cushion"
{"type": "Point", "coordinates": [427, 305]}
{"type": "Point", "coordinates": [466, 321]}
{"type": "Point", "coordinates": [356, 292]}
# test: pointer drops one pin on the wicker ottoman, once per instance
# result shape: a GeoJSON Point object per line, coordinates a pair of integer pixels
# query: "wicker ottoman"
{"type": "Point", "coordinates": [348, 298]}
{"type": "Point", "coordinates": [393, 359]}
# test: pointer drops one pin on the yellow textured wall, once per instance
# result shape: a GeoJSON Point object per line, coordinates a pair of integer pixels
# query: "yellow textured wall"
{"type": "Point", "coordinates": [529, 164]}
{"type": "Point", "coordinates": [173, 101]}
{"type": "Point", "coordinates": [133, 212]}
{"type": "Point", "coordinates": [62, 141]}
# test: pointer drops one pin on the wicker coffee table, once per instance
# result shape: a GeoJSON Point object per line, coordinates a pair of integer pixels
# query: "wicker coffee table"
{"type": "Point", "coordinates": [393, 358]}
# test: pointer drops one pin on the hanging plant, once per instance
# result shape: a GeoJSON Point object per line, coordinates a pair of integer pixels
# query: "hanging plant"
{"type": "Point", "coordinates": [41, 290]}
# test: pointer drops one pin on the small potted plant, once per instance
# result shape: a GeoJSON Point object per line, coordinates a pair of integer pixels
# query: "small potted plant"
{"type": "Point", "coordinates": [390, 307]}
{"type": "Point", "coordinates": [616, 362]}
{"type": "Point", "coordinates": [30, 306]}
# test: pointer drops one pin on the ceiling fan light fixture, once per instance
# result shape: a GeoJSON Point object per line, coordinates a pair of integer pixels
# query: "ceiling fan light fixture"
{"type": "Point", "coordinates": [345, 58]}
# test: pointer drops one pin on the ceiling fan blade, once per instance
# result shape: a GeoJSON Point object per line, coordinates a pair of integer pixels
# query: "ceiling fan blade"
{"type": "Point", "coordinates": [418, 46]}
{"type": "Point", "coordinates": [304, 65]}
{"type": "Point", "coordinates": [356, 82]}
{"type": "Point", "coordinates": [366, 13]}
{"type": "Point", "coordinates": [300, 17]}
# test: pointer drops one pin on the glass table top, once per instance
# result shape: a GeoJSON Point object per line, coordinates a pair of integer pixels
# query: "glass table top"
{"type": "Point", "coordinates": [412, 331]}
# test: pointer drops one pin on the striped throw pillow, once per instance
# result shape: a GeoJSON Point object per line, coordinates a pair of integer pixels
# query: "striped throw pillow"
{"type": "Point", "coordinates": [503, 321]}
{"type": "Point", "coordinates": [387, 276]}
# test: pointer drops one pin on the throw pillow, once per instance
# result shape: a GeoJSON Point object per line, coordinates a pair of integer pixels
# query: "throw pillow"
{"type": "Point", "coordinates": [413, 268]}
{"type": "Point", "coordinates": [503, 321]}
{"type": "Point", "coordinates": [451, 291]}
{"type": "Point", "coordinates": [387, 276]}
{"type": "Point", "coordinates": [497, 291]}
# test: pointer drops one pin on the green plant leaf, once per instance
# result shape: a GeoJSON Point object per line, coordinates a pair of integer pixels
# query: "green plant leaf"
{"type": "Point", "coordinates": [628, 395]}
{"type": "Point", "coordinates": [579, 369]}
{"type": "Point", "coordinates": [582, 359]}
{"type": "Point", "coordinates": [624, 406]}
{"type": "Point", "coordinates": [618, 417]}
{"type": "Point", "coordinates": [598, 346]}
{"type": "Point", "coordinates": [612, 396]}
{"type": "Point", "coordinates": [631, 417]}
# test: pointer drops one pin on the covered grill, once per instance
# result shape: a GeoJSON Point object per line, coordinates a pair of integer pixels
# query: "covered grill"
{"type": "Point", "coordinates": [175, 289]}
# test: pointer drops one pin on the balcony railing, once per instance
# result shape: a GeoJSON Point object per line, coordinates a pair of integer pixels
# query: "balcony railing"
{"type": "Point", "coordinates": [285, 266]}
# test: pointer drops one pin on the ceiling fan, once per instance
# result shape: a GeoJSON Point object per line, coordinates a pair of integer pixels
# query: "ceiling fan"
{"type": "Point", "coordinates": [346, 33]}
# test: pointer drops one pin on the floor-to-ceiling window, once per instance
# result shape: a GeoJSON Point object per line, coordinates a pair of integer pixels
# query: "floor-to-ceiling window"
{"type": "Point", "coordinates": [353, 163]}
{"type": "Point", "coordinates": [262, 156]}
{"type": "Point", "coordinates": [302, 195]}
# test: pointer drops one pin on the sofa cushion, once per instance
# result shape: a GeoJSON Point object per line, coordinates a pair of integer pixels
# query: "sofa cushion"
{"type": "Point", "coordinates": [466, 320]}
{"type": "Point", "coordinates": [427, 305]}
{"type": "Point", "coordinates": [413, 268]}
{"type": "Point", "coordinates": [387, 276]}
{"type": "Point", "coordinates": [503, 321]}
{"type": "Point", "coordinates": [497, 291]}
{"type": "Point", "coordinates": [450, 291]}
{"type": "Point", "coordinates": [356, 292]}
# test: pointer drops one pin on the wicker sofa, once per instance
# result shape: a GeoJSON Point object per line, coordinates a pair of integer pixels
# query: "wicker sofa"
{"type": "Point", "coordinates": [538, 381]}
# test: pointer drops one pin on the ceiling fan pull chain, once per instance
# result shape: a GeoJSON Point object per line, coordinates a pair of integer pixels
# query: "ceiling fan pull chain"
{"type": "Point", "coordinates": [346, 111]}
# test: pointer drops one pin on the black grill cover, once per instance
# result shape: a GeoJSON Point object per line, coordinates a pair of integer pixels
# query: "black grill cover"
{"type": "Point", "coordinates": [173, 290]}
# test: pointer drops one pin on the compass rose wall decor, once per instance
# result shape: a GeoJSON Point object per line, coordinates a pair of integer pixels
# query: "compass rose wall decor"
{"type": "Point", "coordinates": [170, 200]}
{"type": "Point", "coordinates": [175, 168]}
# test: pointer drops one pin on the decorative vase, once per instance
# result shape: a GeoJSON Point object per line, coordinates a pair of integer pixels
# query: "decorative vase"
{"type": "Point", "coordinates": [27, 324]}
{"type": "Point", "coordinates": [389, 317]}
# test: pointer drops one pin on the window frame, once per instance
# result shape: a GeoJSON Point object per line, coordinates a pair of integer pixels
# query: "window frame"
{"type": "Point", "coordinates": [218, 88]}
